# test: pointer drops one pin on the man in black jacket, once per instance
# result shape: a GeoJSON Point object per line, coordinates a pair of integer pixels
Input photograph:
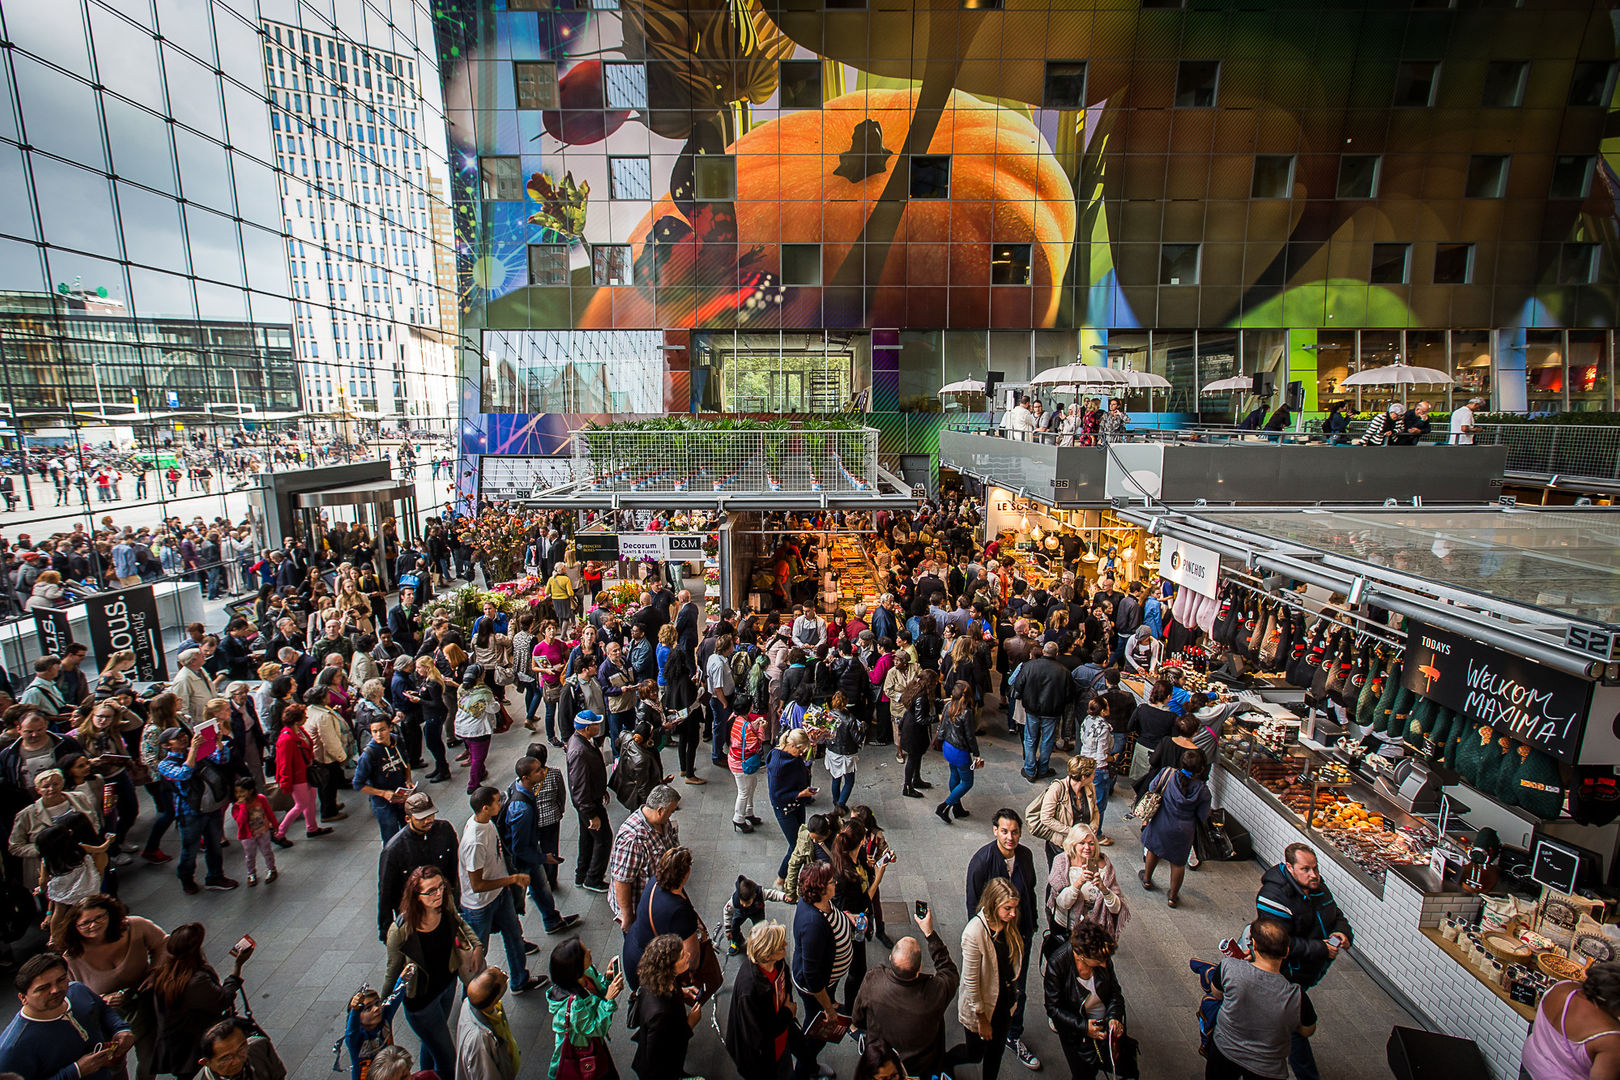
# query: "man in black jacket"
{"type": "Point", "coordinates": [1045, 687]}
{"type": "Point", "coordinates": [993, 861]}
{"type": "Point", "coordinates": [1293, 891]}
{"type": "Point", "coordinates": [687, 624]}
{"type": "Point", "coordinates": [587, 790]}
{"type": "Point", "coordinates": [405, 621]}
{"type": "Point", "coordinates": [1127, 617]}
{"type": "Point", "coordinates": [425, 841]}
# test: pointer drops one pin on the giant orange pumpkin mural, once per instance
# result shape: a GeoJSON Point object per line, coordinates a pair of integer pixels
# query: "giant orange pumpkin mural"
{"type": "Point", "coordinates": [815, 177]}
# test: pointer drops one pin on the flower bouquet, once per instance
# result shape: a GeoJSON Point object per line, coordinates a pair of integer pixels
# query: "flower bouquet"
{"type": "Point", "coordinates": [818, 724]}
{"type": "Point", "coordinates": [618, 599]}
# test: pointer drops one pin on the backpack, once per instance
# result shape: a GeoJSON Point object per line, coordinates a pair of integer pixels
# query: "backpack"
{"type": "Point", "coordinates": [212, 786]}
{"type": "Point", "coordinates": [741, 660]}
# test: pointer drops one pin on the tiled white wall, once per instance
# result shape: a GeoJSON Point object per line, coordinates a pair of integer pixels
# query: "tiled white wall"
{"type": "Point", "coordinates": [1386, 938]}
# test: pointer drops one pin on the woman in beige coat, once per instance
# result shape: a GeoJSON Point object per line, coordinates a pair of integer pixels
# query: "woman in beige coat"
{"type": "Point", "coordinates": [1067, 802]}
{"type": "Point", "coordinates": [992, 953]}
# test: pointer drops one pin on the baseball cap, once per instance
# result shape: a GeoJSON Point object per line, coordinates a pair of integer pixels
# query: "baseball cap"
{"type": "Point", "coordinates": [419, 805]}
{"type": "Point", "coordinates": [586, 719]}
{"type": "Point", "coordinates": [171, 734]}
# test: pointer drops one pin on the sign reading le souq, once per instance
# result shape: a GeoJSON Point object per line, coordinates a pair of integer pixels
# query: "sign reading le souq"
{"type": "Point", "coordinates": [1520, 698]}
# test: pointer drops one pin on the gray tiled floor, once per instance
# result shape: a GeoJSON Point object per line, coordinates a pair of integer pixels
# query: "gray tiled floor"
{"type": "Point", "coordinates": [316, 927]}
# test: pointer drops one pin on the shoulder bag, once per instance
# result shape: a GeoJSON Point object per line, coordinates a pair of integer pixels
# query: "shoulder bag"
{"type": "Point", "coordinates": [1147, 807]}
{"type": "Point", "coordinates": [589, 1062]}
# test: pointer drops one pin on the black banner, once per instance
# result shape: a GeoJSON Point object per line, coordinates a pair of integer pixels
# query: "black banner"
{"type": "Point", "coordinates": [128, 619]}
{"type": "Point", "coordinates": [685, 545]}
{"type": "Point", "coordinates": [1519, 698]}
{"type": "Point", "coordinates": [602, 547]}
{"type": "Point", "coordinates": [55, 634]}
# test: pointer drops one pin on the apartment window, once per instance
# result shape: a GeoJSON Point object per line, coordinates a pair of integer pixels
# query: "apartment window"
{"type": "Point", "coordinates": [1196, 83]}
{"type": "Point", "coordinates": [1577, 264]}
{"type": "Point", "coordinates": [629, 178]}
{"type": "Point", "coordinates": [800, 82]}
{"type": "Point", "coordinates": [548, 264]}
{"type": "Point", "coordinates": [1453, 264]}
{"type": "Point", "coordinates": [610, 264]}
{"type": "Point", "coordinates": [1571, 177]}
{"type": "Point", "coordinates": [981, 5]}
{"type": "Point", "coordinates": [1487, 176]}
{"type": "Point", "coordinates": [1273, 176]}
{"type": "Point", "coordinates": [715, 177]}
{"type": "Point", "coordinates": [1009, 264]}
{"type": "Point", "coordinates": [626, 85]}
{"type": "Point", "coordinates": [1592, 84]}
{"type": "Point", "coordinates": [1178, 264]}
{"type": "Point", "coordinates": [801, 264]}
{"type": "Point", "coordinates": [1504, 84]}
{"type": "Point", "coordinates": [536, 85]}
{"type": "Point", "coordinates": [931, 176]}
{"type": "Point", "coordinates": [1358, 176]}
{"type": "Point", "coordinates": [503, 179]}
{"type": "Point", "coordinates": [1389, 264]}
{"type": "Point", "coordinates": [1065, 85]}
{"type": "Point", "coordinates": [1415, 83]}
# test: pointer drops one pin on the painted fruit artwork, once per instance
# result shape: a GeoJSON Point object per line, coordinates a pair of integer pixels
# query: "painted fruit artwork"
{"type": "Point", "coordinates": [815, 177]}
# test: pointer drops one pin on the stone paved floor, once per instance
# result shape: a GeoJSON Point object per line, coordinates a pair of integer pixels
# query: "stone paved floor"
{"type": "Point", "coordinates": [317, 939]}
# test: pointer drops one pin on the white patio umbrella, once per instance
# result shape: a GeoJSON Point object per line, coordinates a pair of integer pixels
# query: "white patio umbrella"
{"type": "Point", "coordinates": [1398, 374]}
{"type": "Point", "coordinates": [1141, 380]}
{"type": "Point", "coordinates": [1077, 376]}
{"type": "Point", "coordinates": [964, 386]}
{"type": "Point", "coordinates": [1237, 383]}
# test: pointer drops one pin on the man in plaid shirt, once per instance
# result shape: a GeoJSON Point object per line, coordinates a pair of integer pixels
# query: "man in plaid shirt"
{"type": "Point", "coordinates": [644, 836]}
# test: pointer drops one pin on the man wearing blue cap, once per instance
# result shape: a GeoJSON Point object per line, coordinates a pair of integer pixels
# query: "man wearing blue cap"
{"type": "Point", "coordinates": [587, 790]}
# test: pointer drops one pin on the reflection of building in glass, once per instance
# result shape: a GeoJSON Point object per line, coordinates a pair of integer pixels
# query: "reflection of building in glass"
{"type": "Point", "coordinates": [574, 371]}
{"type": "Point", "coordinates": [355, 139]}
{"type": "Point", "coordinates": [82, 357]}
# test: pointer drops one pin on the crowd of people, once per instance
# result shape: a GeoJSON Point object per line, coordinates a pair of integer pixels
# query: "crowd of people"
{"type": "Point", "coordinates": [333, 691]}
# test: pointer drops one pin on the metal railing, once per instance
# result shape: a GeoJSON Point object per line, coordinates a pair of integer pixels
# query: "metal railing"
{"type": "Point", "coordinates": [790, 460]}
{"type": "Point", "coordinates": [1575, 450]}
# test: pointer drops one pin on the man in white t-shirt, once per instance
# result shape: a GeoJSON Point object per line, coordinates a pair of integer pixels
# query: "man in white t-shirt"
{"type": "Point", "coordinates": [1019, 421]}
{"type": "Point", "coordinates": [486, 903]}
{"type": "Point", "coordinates": [721, 684]}
{"type": "Point", "coordinates": [1462, 422]}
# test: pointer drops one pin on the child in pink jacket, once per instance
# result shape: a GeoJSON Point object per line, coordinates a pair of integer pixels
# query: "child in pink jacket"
{"type": "Point", "coordinates": [256, 828]}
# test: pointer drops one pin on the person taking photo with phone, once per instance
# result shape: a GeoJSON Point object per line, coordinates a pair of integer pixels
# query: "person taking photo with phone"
{"type": "Point", "coordinates": [904, 1006]}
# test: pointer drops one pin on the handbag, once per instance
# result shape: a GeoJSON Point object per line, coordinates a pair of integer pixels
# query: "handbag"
{"type": "Point", "coordinates": [1147, 807]}
{"type": "Point", "coordinates": [279, 798]}
{"type": "Point", "coordinates": [589, 1062]}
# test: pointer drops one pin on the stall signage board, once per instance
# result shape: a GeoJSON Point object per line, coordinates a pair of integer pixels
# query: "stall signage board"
{"type": "Point", "coordinates": [641, 546]}
{"type": "Point", "coordinates": [1190, 566]}
{"type": "Point", "coordinates": [1525, 700]}
{"type": "Point", "coordinates": [600, 547]}
{"type": "Point", "coordinates": [128, 619]}
{"type": "Point", "coordinates": [54, 631]}
{"type": "Point", "coordinates": [685, 545]}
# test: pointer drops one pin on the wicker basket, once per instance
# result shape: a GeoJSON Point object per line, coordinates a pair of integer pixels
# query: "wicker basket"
{"type": "Point", "coordinates": [1560, 967]}
{"type": "Point", "coordinates": [1508, 949]}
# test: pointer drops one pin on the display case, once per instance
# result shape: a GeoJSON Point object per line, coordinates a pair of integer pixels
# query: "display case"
{"type": "Point", "coordinates": [1327, 794]}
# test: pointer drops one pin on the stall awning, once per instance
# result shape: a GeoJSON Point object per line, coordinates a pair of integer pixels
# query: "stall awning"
{"type": "Point", "coordinates": [372, 493]}
{"type": "Point", "coordinates": [890, 493]}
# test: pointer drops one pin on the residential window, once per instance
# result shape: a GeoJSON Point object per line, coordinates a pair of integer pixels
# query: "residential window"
{"type": "Point", "coordinates": [716, 177]}
{"type": "Point", "coordinates": [1504, 84]}
{"type": "Point", "coordinates": [800, 82]}
{"type": "Point", "coordinates": [1390, 264]}
{"type": "Point", "coordinates": [1571, 177]}
{"type": "Point", "coordinates": [1358, 176]}
{"type": "Point", "coordinates": [981, 5]}
{"type": "Point", "coordinates": [1592, 84]}
{"type": "Point", "coordinates": [1009, 264]}
{"type": "Point", "coordinates": [1453, 264]}
{"type": "Point", "coordinates": [1273, 176]}
{"type": "Point", "coordinates": [1178, 264]}
{"type": "Point", "coordinates": [503, 179]}
{"type": "Point", "coordinates": [629, 178]}
{"type": "Point", "coordinates": [548, 264]}
{"type": "Point", "coordinates": [1415, 83]}
{"type": "Point", "coordinates": [1065, 85]}
{"type": "Point", "coordinates": [1196, 83]}
{"type": "Point", "coordinates": [626, 85]}
{"type": "Point", "coordinates": [801, 264]}
{"type": "Point", "coordinates": [536, 85]}
{"type": "Point", "coordinates": [1577, 264]}
{"type": "Point", "coordinates": [1487, 176]}
{"type": "Point", "coordinates": [610, 264]}
{"type": "Point", "coordinates": [931, 176]}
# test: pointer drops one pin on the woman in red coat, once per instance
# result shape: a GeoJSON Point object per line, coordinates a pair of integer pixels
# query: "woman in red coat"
{"type": "Point", "coordinates": [295, 752]}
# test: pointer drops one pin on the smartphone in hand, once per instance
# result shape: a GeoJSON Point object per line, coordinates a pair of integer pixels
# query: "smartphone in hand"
{"type": "Point", "coordinates": [922, 909]}
{"type": "Point", "coordinates": [247, 944]}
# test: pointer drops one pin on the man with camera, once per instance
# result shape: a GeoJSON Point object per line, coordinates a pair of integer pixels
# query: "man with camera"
{"type": "Point", "coordinates": [904, 1006]}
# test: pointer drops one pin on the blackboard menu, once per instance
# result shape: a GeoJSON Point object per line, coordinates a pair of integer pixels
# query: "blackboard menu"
{"type": "Point", "coordinates": [1519, 698]}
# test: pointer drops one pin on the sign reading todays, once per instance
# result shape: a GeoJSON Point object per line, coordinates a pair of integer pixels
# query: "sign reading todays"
{"type": "Point", "coordinates": [1519, 698]}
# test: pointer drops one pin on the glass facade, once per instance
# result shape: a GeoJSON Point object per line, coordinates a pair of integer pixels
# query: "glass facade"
{"type": "Point", "coordinates": [1184, 188]}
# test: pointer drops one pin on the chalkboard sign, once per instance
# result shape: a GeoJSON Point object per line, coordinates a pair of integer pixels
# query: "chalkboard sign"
{"type": "Point", "coordinates": [601, 547]}
{"type": "Point", "coordinates": [1519, 698]}
{"type": "Point", "coordinates": [1555, 866]}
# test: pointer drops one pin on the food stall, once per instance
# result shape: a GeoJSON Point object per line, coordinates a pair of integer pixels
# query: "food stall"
{"type": "Point", "coordinates": [1040, 540]}
{"type": "Point", "coordinates": [1451, 688]}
